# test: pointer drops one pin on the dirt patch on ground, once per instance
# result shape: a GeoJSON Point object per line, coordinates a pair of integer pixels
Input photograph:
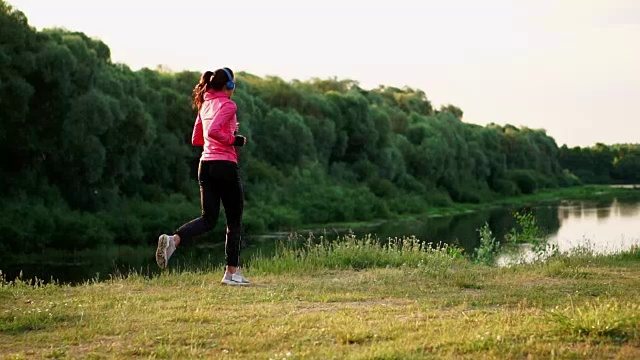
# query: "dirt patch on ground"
{"type": "Point", "coordinates": [30, 350]}
{"type": "Point", "coordinates": [303, 307]}
{"type": "Point", "coordinates": [532, 281]}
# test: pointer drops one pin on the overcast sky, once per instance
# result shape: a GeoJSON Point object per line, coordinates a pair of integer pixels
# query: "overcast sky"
{"type": "Point", "coordinates": [571, 67]}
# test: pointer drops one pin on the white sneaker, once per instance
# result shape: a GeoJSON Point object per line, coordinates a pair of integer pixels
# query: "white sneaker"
{"type": "Point", "coordinates": [240, 276]}
{"type": "Point", "coordinates": [166, 247]}
{"type": "Point", "coordinates": [234, 279]}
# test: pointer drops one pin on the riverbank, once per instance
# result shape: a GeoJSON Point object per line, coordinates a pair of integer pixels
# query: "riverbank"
{"type": "Point", "coordinates": [586, 192]}
{"type": "Point", "coordinates": [103, 261]}
{"type": "Point", "coordinates": [348, 302]}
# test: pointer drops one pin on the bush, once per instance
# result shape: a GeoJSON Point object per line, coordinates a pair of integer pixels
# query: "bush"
{"type": "Point", "coordinates": [283, 217]}
{"type": "Point", "coordinates": [30, 226]}
{"type": "Point", "coordinates": [407, 204]}
{"type": "Point", "coordinates": [382, 187]}
{"type": "Point", "coordinates": [589, 177]}
{"type": "Point", "coordinates": [438, 198]}
{"type": "Point", "coordinates": [543, 181]}
{"type": "Point", "coordinates": [318, 203]}
{"type": "Point", "coordinates": [568, 179]}
{"type": "Point", "coordinates": [409, 183]}
{"type": "Point", "coordinates": [381, 210]}
{"type": "Point", "coordinates": [26, 226]}
{"type": "Point", "coordinates": [489, 247]}
{"type": "Point", "coordinates": [469, 196]}
{"type": "Point", "coordinates": [252, 222]}
{"type": "Point", "coordinates": [505, 187]}
{"type": "Point", "coordinates": [76, 230]}
{"type": "Point", "coordinates": [525, 179]}
{"type": "Point", "coordinates": [140, 222]}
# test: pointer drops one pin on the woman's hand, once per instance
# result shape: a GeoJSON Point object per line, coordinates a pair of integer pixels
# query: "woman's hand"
{"type": "Point", "coordinates": [240, 140]}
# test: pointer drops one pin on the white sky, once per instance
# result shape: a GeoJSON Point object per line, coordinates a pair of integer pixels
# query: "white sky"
{"type": "Point", "coordinates": [571, 67]}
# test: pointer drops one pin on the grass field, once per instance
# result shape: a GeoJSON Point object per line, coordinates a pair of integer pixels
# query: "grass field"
{"type": "Point", "coordinates": [344, 300]}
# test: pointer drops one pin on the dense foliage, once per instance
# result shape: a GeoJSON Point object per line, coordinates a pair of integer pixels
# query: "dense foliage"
{"type": "Point", "coordinates": [95, 153]}
{"type": "Point", "coordinates": [602, 164]}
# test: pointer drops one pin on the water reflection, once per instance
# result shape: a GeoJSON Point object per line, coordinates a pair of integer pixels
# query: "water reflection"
{"type": "Point", "coordinates": [586, 227]}
{"type": "Point", "coordinates": [601, 227]}
{"type": "Point", "coordinates": [462, 230]}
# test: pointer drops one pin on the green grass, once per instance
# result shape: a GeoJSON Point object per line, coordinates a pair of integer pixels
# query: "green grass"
{"type": "Point", "coordinates": [349, 252]}
{"type": "Point", "coordinates": [350, 299]}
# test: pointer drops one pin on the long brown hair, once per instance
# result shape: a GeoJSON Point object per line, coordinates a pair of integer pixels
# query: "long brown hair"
{"type": "Point", "coordinates": [201, 87]}
{"type": "Point", "coordinates": [215, 80]}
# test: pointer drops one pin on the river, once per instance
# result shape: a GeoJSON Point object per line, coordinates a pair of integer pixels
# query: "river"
{"type": "Point", "coordinates": [601, 226]}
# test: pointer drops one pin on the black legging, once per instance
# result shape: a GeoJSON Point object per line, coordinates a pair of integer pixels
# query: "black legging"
{"type": "Point", "coordinates": [219, 180]}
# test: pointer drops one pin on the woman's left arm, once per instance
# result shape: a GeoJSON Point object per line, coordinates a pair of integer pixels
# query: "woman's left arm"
{"type": "Point", "coordinates": [220, 126]}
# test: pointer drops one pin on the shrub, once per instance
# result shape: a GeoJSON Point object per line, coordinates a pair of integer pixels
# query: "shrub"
{"type": "Point", "coordinates": [525, 179]}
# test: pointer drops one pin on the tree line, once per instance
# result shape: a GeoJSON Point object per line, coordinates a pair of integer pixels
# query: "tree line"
{"type": "Point", "coordinates": [95, 153]}
{"type": "Point", "coordinates": [603, 164]}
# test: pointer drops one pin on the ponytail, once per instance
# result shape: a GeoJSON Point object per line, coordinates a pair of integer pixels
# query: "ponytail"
{"type": "Point", "coordinates": [200, 89]}
{"type": "Point", "coordinates": [215, 80]}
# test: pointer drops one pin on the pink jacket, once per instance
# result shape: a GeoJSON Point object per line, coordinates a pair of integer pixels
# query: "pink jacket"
{"type": "Point", "coordinates": [215, 126]}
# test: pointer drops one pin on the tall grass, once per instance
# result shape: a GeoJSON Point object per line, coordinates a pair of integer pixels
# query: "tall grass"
{"type": "Point", "coordinates": [489, 246]}
{"type": "Point", "coordinates": [529, 242]}
{"type": "Point", "coordinates": [598, 318]}
{"type": "Point", "coordinates": [349, 252]}
{"type": "Point", "coordinates": [527, 231]}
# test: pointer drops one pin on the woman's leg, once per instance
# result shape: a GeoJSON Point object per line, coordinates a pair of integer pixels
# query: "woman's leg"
{"type": "Point", "coordinates": [210, 205]}
{"type": "Point", "coordinates": [209, 202]}
{"type": "Point", "coordinates": [233, 202]}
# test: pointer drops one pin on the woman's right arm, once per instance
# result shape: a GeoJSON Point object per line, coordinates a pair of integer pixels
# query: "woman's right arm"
{"type": "Point", "coordinates": [197, 138]}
